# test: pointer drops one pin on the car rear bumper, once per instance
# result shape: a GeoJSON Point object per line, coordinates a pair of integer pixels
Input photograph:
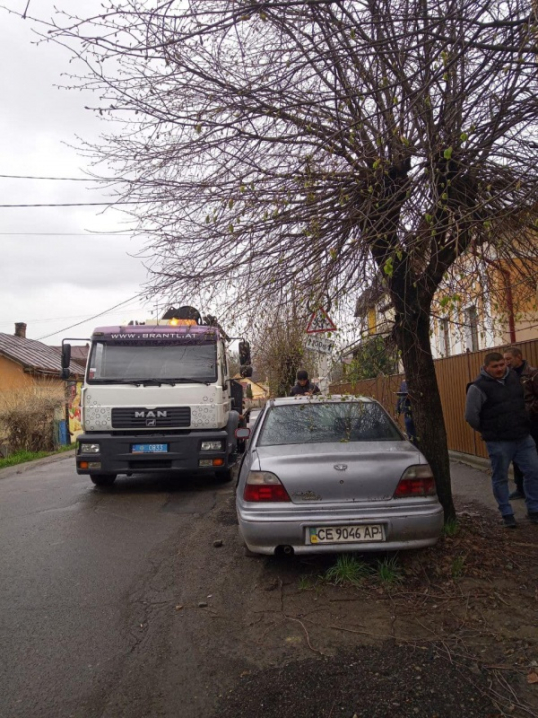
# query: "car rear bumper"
{"type": "Point", "coordinates": [403, 530]}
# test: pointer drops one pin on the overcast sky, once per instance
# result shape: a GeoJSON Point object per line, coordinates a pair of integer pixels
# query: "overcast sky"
{"type": "Point", "coordinates": [53, 276]}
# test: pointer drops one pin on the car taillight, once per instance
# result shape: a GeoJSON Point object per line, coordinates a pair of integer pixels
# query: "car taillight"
{"type": "Point", "coordinates": [416, 481]}
{"type": "Point", "coordinates": [264, 486]}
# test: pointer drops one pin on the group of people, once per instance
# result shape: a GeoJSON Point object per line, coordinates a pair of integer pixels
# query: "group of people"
{"type": "Point", "coordinates": [502, 404]}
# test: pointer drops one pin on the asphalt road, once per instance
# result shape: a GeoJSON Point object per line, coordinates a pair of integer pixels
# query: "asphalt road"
{"type": "Point", "coordinates": [99, 595]}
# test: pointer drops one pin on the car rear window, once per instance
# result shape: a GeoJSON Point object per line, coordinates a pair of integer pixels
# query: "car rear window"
{"type": "Point", "coordinates": [323, 423]}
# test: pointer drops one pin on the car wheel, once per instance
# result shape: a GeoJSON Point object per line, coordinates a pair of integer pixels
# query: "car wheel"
{"type": "Point", "coordinates": [225, 475]}
{"type": "Point", "coordinates": [103, 479]}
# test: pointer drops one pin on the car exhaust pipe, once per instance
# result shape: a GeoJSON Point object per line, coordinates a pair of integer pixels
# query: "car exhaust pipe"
{"type": "Point", "coordinates": [284, 551]}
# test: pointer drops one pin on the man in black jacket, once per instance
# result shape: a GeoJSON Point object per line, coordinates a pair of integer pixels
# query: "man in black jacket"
{"type": "Point", "coordinates": [304, 386]}
{"type": "Point", "coordinates": [528, 376]}
{"type": "Point", "coordinates": [495, 407]}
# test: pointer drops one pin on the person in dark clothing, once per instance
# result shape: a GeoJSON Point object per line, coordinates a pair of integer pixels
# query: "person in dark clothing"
{"type": "Point", "coordinates": [403, 406]}
{"type": "Point", "coordinates": [495, 407]}
{"type": "Point", "coordinates": [304, 386]}
{"type": "Point", "coordinates": [528, 376]}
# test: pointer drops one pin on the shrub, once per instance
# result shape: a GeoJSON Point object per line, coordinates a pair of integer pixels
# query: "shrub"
{"type": "Point", "coordinates": [27, 418]}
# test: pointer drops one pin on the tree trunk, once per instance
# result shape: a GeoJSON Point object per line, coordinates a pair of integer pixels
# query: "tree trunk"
{"type": "Point", "coordinates": [412, 335]}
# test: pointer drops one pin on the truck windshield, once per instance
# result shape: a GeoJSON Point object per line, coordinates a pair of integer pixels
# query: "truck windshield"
{"type": "Point", "coordinates": [137, 362]}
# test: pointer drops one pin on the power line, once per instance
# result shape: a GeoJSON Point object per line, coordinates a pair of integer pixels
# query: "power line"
{"type": "Point", "coordinates": [67, 234]}
{"type": "Point", "coordinates": [59, 179]}
{"type": "Point", "coordinates": [48, 320]}
{"type": "Point", "coordinates": [88, 319]}
{"type": "Point", "coordinates": [76, 204]}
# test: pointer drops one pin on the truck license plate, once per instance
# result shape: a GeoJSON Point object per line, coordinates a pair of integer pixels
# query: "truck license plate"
{"type": "Point", "coordinates": [347, 534]}
{"type": "Point", "coordinates": [149, 448]}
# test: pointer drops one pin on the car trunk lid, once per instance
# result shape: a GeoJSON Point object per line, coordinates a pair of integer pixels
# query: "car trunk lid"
{"type": "Point", "coordinates": [335, 473]}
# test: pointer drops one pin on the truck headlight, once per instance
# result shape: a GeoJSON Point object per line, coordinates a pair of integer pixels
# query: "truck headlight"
{"type": "Point", "coordinates": [89, 448]}
{"type": "Point", "coordinates": [211, 445]}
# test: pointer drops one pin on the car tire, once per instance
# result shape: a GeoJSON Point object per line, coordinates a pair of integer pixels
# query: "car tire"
{"type": "Point", "coordinates": [103, 479]}
{"type": "Point", "coordinates": [224, 476]}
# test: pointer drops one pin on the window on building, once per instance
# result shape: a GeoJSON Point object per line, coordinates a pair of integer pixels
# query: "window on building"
{"type": "Point", "coordinates": [444, 337]}
{"type": "Point", "coordinates": [471, 329]}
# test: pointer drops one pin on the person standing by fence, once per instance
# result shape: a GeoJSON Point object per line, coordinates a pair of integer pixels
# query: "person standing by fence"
{"type": "Point", "coordinates": [403, 406]}
{"type": "Point", "coordinates": [495, 406]}
{"type": "Point", "coordinates": [528, 376]}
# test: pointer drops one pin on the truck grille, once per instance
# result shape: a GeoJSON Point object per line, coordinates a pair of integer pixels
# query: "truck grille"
{"type": "Point", "coordinates": [134, 418]}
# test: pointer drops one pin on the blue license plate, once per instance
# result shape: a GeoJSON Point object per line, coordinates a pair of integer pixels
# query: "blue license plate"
{"type": "Point", "coordinates": [149, 448]}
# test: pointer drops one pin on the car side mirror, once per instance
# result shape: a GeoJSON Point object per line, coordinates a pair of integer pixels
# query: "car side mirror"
{"type": "Point", "coordinates": [242, 433]}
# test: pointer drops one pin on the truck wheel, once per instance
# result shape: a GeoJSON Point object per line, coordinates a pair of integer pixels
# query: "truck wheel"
{"type": "Point", "coordinates": [103, 479]}
{"type": "Point", "coordinates": [225, 475]}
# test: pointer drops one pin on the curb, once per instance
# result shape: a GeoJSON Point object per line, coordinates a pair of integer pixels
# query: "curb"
{"type": "Point", "coordinates": [27, 465]}
{"type": "Point", "coordinates": [476, 462]}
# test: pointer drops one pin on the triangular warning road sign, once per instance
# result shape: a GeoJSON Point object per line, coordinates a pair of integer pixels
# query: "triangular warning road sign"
{"type": "Point", "coordinates": [320, 321]}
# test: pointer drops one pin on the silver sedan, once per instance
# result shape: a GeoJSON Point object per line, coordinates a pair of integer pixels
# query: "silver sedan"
{"type": "Point", "coordinates": [334, 474]}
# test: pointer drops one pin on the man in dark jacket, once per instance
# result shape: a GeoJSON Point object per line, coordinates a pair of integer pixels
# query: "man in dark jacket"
{"type": "Point", "coordinates": [304, 386]}
{"type": "Point", "coordinates": [528, 376]}
{"type": "Point", "coordinates": [495, 407]}
{"type": "Point", "coordinates": [403, 406]}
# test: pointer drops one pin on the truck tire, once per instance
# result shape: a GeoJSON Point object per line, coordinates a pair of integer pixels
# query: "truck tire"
{"type": "Point", "coordinates": [103, 479]}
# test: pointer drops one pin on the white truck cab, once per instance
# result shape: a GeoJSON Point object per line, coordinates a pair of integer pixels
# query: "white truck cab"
{"type": "Point", "coordinates": [157, 399]}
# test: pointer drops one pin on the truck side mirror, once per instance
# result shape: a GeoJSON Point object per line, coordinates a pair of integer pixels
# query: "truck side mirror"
{"type": "Point", "coordinates": [244, 353]}
{"type": "Point", "coordinates": [66, 356]}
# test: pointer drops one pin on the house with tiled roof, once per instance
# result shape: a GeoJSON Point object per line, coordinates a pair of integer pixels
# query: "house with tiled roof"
{"type": "Point", "coordinates": [27, 362]}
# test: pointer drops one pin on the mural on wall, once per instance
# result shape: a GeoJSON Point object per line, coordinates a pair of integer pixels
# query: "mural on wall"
{"type": "Point", "coordinates": [73, 408]}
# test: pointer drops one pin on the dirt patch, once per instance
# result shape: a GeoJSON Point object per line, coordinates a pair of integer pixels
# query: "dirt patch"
{"type": "Point", "coordinates": [371, 682]}
{"type": "Point", "coordinates": [228, 515]}
{"type": "Point", "coordinates": [468, 606]}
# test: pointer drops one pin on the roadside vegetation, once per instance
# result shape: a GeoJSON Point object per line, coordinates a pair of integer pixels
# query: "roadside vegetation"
{"type": "Point", "coordinates": [27, 418]}
{"type": "Point", "coordinates": [21, 457]}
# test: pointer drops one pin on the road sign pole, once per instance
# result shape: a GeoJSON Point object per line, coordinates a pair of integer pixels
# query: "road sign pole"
{"type": "Point", "coordinates": [324, 373]}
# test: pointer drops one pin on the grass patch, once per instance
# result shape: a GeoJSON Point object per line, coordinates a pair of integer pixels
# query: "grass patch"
{"type": "Point", "coordinates": [389, 571]}
{"type": "Point", "coordinates": [305, 583]}
{"type": "Point", "coordinates": [451, 528]}
{"type": "Point", "coordinates": [347, 570]}
{"type": "Point", "coordinates": [458, 567]}
{"type": "Point", "coordinates": [21, 457]}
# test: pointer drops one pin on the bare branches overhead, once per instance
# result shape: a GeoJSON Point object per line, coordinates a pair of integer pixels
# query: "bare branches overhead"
{"type": "Point", "coordinates": [291, 142]}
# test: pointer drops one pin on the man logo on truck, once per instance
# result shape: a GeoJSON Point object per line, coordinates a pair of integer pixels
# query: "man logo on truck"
{"type": "Point", "coordinates": [150, 415]}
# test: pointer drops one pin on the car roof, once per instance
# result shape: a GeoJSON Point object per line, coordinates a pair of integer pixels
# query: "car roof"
{"type": "Point", "coordinates": [321, 399]}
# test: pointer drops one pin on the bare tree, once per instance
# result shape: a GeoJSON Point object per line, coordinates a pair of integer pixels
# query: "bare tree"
{"type": "Point", "coordinates": [279, 349]}
{"type": "Point", "coordinates": [315, 144]}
